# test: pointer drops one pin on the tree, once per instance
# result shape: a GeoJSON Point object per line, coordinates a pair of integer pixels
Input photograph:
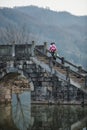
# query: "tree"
{"type": "Point", "coordinates": [19, 35]}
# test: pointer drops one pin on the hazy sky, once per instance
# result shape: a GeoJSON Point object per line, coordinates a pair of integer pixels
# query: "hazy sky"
{"type": "Point", "coordinates": [76, 7]}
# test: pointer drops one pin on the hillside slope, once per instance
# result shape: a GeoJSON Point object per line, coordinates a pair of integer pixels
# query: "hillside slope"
{"type": "Point", "coordinates": [68, 31]}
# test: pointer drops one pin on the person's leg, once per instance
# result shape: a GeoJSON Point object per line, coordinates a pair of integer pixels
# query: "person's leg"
{"type": "Point", "coordinates": [52, 53]}
{"type": "Point", "coordinates": [54, 58]}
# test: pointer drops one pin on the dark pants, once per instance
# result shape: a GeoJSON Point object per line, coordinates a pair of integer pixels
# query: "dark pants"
{"type": "Point", "coordinates": [53, 55]}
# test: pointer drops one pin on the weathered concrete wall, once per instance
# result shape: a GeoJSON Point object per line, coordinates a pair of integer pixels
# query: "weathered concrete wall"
{"type": "Point", "coordinates": [5, 50]}
{"type": "Point", "coordinates": [23, 50]}
{"type": "Point", "coordinates": [12, 83]}
{"type": "Point", "coordinates": [17, 50]}
{"type": "Point", "coordinates": [5, 95]}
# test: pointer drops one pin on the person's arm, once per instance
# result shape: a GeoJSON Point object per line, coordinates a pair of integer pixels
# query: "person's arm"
{"type": "Point", "coordinates": [55, 47]}
{"type": "Point", "coordinates": [50, 48]}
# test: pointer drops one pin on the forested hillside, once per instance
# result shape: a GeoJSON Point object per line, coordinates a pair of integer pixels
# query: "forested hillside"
{"type": "Point", "coordinates": [23, 24]}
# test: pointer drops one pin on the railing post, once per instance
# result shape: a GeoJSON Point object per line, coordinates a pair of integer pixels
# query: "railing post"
{"type": "Point", "coordinates": [85, 81]}
{"type": "Point", "coordinates": [32, 48]}
{"type": "Point", "coordinates": [68, 82]}
{"type": "Point", "coordinates": [82, 103]}
{"type": "Point", "coordinates": [13, 54]}
{"type": "Point", "coordinates": [45, 48]}
{"type": "Point", "coordinates": [62, 62]}
{"type": "Point", "coordinates": [68, 90]}
{"type": "Point", "coordinates": [79, 69]}
{"type": "Point", "coordinates": [67, 72]}
{"type": "Point", "coordinates": [50, 63]}
{"type": "Point", "coordinates": [13, 49]}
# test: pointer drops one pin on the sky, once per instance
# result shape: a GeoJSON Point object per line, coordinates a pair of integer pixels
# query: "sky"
{"type": "Point", "coordinates": [76, 7]}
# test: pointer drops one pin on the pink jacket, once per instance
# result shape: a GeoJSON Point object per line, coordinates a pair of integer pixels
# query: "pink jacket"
{"type": "Point", "coordinates": [52, 48]}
